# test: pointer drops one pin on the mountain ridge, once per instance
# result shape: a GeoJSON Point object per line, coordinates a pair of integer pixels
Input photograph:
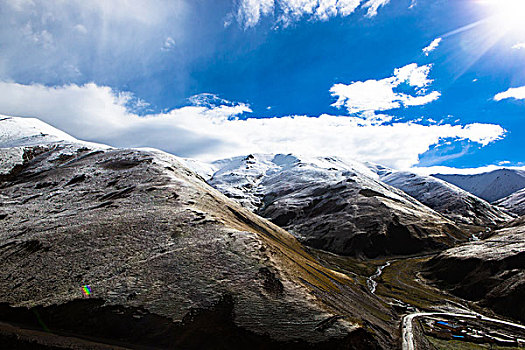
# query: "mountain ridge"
{"type": "Point", "coordinates": [514, 203]}
{"type": "Point", "coordinates": [490, 186]}
{"type": "Point", "coordinates": [453, 202]}
{"type": "Point", "coordinates": [159, 247]}
{"type": "Point", "coordinates": [333, 204]}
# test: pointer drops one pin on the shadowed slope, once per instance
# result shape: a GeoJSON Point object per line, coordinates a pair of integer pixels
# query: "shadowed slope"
{"type": "Point", "coordinates": [334, 205]}
{"type": "Point", "coordinates": [451, 201]}
{"type": "Point", "coordinates": [159, 247]}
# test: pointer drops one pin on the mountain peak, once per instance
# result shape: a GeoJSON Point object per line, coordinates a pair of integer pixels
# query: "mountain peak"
{"type": "Point", "coordinates": [18, 131]}
{"type": "Point", "coordinates": [490, 186]}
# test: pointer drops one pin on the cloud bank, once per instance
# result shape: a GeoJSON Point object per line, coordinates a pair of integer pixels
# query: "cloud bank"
{"type": "Point", "coordinates": [380, 95]}
{"type": "Point", "coordinates": [210, 128]}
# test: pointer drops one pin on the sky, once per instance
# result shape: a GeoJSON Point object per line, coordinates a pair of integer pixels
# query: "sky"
{"type": "Point", "coordinates": [404, 83]}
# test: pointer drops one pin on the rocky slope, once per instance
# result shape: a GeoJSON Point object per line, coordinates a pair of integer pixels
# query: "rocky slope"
{"type": "Point", "coordinates": [171, 262]}
{"type": "Point", "coordinates": [451, 201]}
{"type": "Point", "coordinates": [334, 205]}
{"type": "Point", "coordinates": [490, 272]}
{"type": "Point", "coordinates": [489, 186]}
{"type": "Point", "coordinates": [514, 203]}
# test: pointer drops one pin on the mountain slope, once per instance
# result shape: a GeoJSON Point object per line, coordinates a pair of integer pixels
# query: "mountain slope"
{"type": "Point", "coordinates": [489, 186]}
{"type": "Point", "coordinates": [445, 198]}
{"type": "Point", "coordinates": [170, 261]}
{"type": "Point", "coordinates": [334, 205]}
{"type": "Point", "coordinates": [515, 203]}
{"type": "Point", "coordinates": [29, 132]}
{"type": "Point", "coordinates": [490, 272]}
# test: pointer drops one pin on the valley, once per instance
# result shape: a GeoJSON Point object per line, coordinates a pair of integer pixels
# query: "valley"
{"type": "Point", "coordinates": [260, 251]}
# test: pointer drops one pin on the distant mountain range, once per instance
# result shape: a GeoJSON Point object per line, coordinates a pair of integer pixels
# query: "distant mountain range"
{"type": "Point", "coordinates": [490, 186]}
{"type": "Point", "coordinates": [456, 204]}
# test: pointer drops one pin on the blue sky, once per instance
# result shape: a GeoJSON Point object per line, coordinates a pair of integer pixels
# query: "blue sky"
{"type": "Point", "coordinates": [332, 77]}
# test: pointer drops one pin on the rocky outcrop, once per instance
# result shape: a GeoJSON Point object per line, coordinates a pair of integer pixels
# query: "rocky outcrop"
{"type": "Point", "coordinates": [490, 272]}
{"type": "Point", "coordinates": [334, 205]}
{"type": "Point", "coordinates": [170, 262]}
{"type": "Point", "coordinates": [451, 201]}
{"type": "Point", "coordinates": [514, 203]}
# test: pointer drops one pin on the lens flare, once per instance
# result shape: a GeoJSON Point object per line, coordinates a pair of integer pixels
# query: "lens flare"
{"type": "Point", "coordinates": [86, 289]}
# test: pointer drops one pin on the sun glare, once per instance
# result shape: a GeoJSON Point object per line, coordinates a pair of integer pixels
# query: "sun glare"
{"type": "Point", "coordinates": [508, 15]}
{"type": "Point", "coordinates": [498, 21]}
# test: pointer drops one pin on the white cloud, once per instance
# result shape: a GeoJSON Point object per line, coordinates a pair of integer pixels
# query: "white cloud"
{"type": "Point", "coordinates": [250, 12]}
{"type": "Point", "coordinates": [210, 129]}
{"type": "Point", "coordinates": [432, 46]}
{"type": "Point", "coordinates": [363, 96]}
{"type": "Point", "coordinates": [516, 93]}
{"type": "Point", "coordinates": [322, 10]}
{"type": "Point", "coordinates": [380, 95]}
{"type": "Point", "coordinates": [420, 100]}
{"type": "Point", "coordinates": [373, 6]}
{"type": "Point", "coordinates": [413, 75]}
{"type": "Point", "coordinates": [519, 46]}
{"type": "Point", "coordinates": [169, 44]}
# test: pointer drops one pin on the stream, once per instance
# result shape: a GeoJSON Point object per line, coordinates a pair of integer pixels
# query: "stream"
{"type": "Point", "coordinates": [370, 281]}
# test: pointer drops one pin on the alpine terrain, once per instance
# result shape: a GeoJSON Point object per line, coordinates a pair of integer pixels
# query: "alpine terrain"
{"type": "Point", "coordinates": [104, 247]}
{"type": "Point", "coordinates": [489, 186]}
{"type": "Point", "coordinates": [514, 203]}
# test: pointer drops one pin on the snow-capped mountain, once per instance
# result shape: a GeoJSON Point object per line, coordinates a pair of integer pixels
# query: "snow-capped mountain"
{"type": "Point", "coordinates": [514, 203]}
{"type": "Point", "coordinates": [163, 253]}
{"type": "Point", "coordinates": [333, 204]}
{"type": "Point", "coordinates": [489, 186]}
{"type": "Point", "coordinates": [445, 198]}
{"type": "Point", "coordinates": [21, 139]}
{"type": "Point", "coordinates": [16, 131]}
{"type": "Point", "coordinates": [249, 178]}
